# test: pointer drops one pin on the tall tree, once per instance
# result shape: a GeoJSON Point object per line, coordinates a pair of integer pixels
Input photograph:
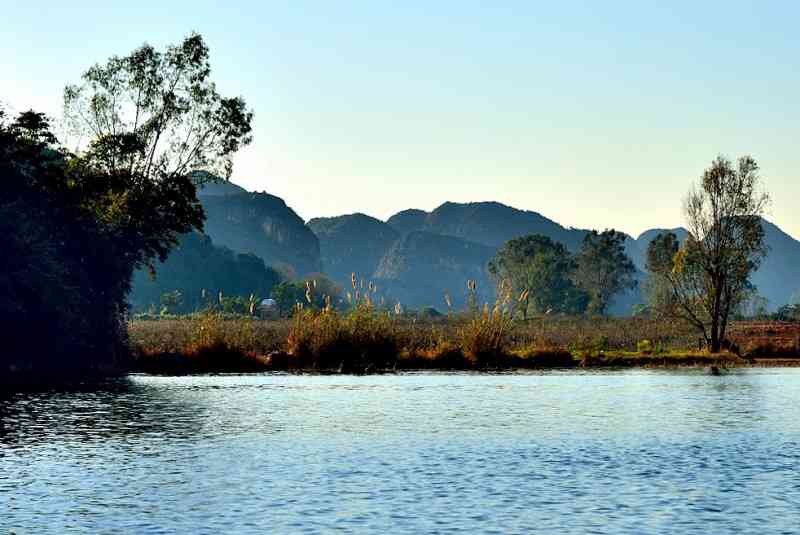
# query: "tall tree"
{"type": "Point", "coordinates": [539, 269]}
{"type": "Point", "coordinates": [157, 115]}
{"type": "Point", "coordinates": [709, 276]}
{"type": "Point", "coordinates": [149, 126]}
{"type": "Point", "coordinates": [603, 268]}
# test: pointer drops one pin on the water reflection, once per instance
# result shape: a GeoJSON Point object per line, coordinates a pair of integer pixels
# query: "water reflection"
{"type": "Point", "coordinates": [90, 412]}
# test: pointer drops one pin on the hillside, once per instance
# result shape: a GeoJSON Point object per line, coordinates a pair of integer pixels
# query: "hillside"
{"type": "Point", "coordinates": [198, 264]}
{"type": "Point", "coordinates": [488, 223]}
{"type": "Point", "coordinates": [262, 224]}
{"type": "Point", "coordinates": [352, 243]}
{"type": "Point", "coordinates": [421, 266]}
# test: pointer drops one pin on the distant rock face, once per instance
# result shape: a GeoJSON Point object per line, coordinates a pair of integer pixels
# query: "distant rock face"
{"type": "Point", "coordinates": [421, 266]}
{"type": "Point", "coordinates": [262, 224]}
{"type": "Point", "coordinates": [408, 220]}
{"type": "Point", "coordinates": [488, 223]}
{"type": "Point", "coordinates": [214, 189]}
{"type": "Point", "coordinates": [352, 244]}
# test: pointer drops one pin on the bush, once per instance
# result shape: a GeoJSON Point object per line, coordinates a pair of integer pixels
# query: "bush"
{"type": "Point", "coordinates": [484, 338]}
{"type": "Point", "coordinates": [645, 347]}
{"type": "Point", "coordinates": [360, 340]}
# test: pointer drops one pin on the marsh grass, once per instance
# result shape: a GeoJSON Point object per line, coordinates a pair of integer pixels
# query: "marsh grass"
{"type": "Point", "coordinates": [365, 339]}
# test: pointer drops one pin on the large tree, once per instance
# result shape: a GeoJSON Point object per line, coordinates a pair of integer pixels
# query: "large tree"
{"type": "Point", "coordinates": [79, 223]}
{"type": "Point", "coordinates": [603, 268]}
{"type": "Point", "coordinates": [708, 277]}
{"type": "Point", "coordinates": [157, 115]}
{"type": "Point", "coordinates": [539, 271]}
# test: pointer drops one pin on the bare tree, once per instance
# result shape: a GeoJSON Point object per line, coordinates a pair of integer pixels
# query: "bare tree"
{"type": "Point", "coordinates": [708, 276]}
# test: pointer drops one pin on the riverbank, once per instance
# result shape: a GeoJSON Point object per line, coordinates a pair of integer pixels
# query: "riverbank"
{"type": "Point", "coordinates": [369, 342]}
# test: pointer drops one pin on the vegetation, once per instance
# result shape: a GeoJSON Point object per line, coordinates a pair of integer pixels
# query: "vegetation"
{"type": "Point", "coordinates": [194, 274]}
{"type": "Point", "coordinates": [705, 280]}
{"type": "Point", "coordinates": [603, 269]}
{"type": "Point", "coordinates": [77, 226]}
{"type": "Point", "coordinates": [545, 278]}
{"type": "Point", "coordinates": [367, 340]}
{"type": "Point", "coordinates": [539, 272]}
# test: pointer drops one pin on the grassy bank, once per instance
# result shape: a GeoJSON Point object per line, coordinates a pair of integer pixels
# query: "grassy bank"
{"type": "Point", "coordinates": [366, 341]}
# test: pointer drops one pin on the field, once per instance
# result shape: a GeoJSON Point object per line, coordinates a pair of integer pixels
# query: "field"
{"type": "Point", "coordinates": [367, 341]}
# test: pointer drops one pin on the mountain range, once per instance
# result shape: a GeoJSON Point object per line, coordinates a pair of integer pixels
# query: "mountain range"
{"type": "Point", "coordinates": [415, 256]}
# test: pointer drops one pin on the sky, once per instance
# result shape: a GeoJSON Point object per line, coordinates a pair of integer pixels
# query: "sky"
{"type": "Point", "coordinates": [594, 114]}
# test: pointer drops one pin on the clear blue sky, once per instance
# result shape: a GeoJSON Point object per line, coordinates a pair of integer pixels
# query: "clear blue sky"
{"type": "Point", "coordinates": [596, 114]}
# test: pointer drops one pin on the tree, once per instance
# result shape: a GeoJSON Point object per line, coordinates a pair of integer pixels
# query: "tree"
{"type": "Point", "coordinates": [709, 275]}
{"type": "Point", "coordinates": [603, 269]}
{"type": "Point", "coordinates": [82, 223]}
{"type": "Point", "coordinates": [157, 115]}
{"type": "Point", "coordinates": [540, 269]}
{"type": "Point", "coordinates": [287, 295]}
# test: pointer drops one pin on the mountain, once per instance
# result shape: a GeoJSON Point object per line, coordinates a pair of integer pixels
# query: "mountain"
{"type": "Point", "coordinates": [421, 254]}
{"type": "Point", "coordinates": [778, 278]}
{"type": "Point", "coordinates": [352, 243]}
{"type": "Point", "coordinates": [488, 223]}
{"type": "Point", "coordinates": [408, 220]}
{"type": "Point", "coordinates": [421, 266]}
{"type": "Point", "coordinates": [261, 224]}
{"type": "Point", "coordinates": [196, 264]}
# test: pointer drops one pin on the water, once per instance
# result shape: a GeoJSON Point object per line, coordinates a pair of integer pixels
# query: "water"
{"type": "Point", "coordinates": [566, 452]}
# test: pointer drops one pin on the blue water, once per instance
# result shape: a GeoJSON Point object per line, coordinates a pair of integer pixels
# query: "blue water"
{"type": "Point", "coordinates": [565, 452]}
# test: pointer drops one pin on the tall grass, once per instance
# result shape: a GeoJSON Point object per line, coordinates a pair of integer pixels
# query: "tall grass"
{"type": "Point", "coordinates": [359, 340]}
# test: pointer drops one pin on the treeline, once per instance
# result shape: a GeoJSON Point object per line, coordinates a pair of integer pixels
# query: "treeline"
{"type": "Point", "coordinates": [197, 274]}
{"type": "Point", "coordinates": [540, 276]}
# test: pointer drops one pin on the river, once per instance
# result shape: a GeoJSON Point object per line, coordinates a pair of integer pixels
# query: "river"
{"type": "Point", "coordinates": [632, 451]}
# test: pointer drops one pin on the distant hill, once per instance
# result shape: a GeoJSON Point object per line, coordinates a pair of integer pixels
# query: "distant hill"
{"type": "Point", "coordinates": [196, 265]}
{"type": "Point", "coordinates": [489, 223]}
{"type": "Point", "coordinates": [411, 250]}
{"type": "Point", "coordinates": [421, 266]}
{"type": "Point", "coordinates": [352, 243]}
{"type": "Point", "coordinates": [214, 189]}
{"type": "Point", "coordinates": [262, 224]}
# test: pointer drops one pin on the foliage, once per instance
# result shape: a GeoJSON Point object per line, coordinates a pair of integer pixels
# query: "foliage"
{"type": "Point", "coordinates": [539, 271]}
{"type": "Point", "coordinates": [355, 341]}
{"type": "Point", "coordinates": [200, 270]}
{"type": "Point", "coordinates": [157, 115]}
{"type": "Point", "coordinates": [484, 338]}
{"type": "Point", "coordinates": [78, 225]}
{"type": "Point", "coordinates": [708, 277]}
{"type": "Point", "coordinates": [603, 269]}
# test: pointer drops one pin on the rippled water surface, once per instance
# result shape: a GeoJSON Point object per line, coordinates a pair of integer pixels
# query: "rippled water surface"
{"type": "Point", "coordinates": [627, 452]}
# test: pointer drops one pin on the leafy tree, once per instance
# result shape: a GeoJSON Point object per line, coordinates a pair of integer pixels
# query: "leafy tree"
{"type": "Point", "coordinates": [603, 269]}
{"type": "Point", "coordinates": [80, 224]}
{"type": "Point", "coordinates": [540, 269]}
{"type": "Point", "coordinates": [657, 290]}
{"type": "Point", "coordinates": [157, 115]}
{"type": "Point", "coordinates": [287, 295]}
{"type": "Point", "coordinates": [709, 275]}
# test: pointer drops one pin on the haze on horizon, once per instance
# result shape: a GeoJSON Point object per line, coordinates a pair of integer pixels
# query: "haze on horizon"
{"type": "Point", "coordinates": [594, 115]}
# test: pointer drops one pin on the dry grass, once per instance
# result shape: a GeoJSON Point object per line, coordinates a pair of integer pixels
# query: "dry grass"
{"type": "Point", "coordinates": [366, 340]}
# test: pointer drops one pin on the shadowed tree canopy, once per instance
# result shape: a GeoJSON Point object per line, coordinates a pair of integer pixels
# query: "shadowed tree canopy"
{"type": "Point", "coordinates": [75, 226]}
{"type": "Point", "coordinates": [603, 269]}
{"type": "Point", "coordinates": [709, 276]}
{"type": "Point", "coordinates": [539, 271]}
